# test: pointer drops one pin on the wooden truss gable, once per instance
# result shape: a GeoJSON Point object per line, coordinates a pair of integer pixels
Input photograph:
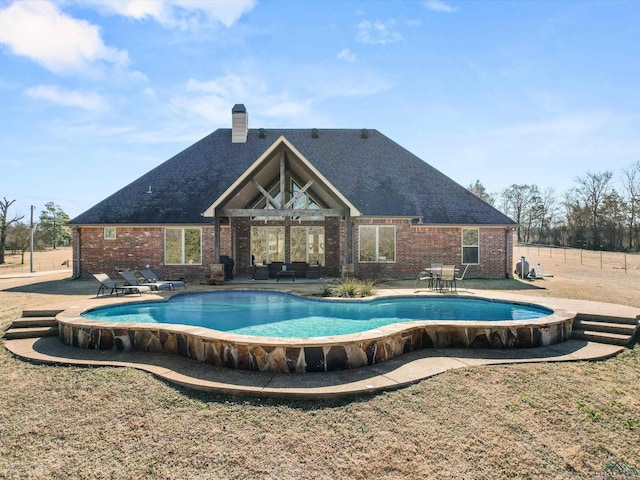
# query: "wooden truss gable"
{"type": "Point", "coordinates": [279, 164]}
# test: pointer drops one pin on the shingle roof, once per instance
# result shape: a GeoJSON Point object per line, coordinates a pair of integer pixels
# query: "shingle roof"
{"type": "Point", "coordinates": [376, 175]}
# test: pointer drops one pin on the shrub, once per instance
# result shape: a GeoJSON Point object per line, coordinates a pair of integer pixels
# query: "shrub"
{"type": "Point", "coordinates": [325, 291]}
{"type": "Point", "coordinates": [366, 289]}
{"type": "Point", "coordinates": [353, 288]}
{"type": "Point", "coordinates": [346, 288]}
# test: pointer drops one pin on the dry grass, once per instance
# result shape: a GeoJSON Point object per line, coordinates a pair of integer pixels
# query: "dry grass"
{"type": "Point", "coordinates": [561, 421]}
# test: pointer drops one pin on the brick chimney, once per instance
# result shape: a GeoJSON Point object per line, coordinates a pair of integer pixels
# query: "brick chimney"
{"type": "Point", "coordinates": [239, 123]}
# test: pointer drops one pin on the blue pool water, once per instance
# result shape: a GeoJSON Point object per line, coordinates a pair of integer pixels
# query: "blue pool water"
{"type": "Point", "coordinates": [276, 314]}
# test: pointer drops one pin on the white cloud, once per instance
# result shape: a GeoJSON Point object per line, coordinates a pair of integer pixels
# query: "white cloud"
{"type": "Point", "coordinates": [377, 33]}
{"type": "Point", "coordinates": [213, 99]}
{"type": "Point", "coordinates": [69, 98]}
{"type": "Point", "coordinates": [149, 92]}
{"type": "Point", "coordinates": [275, 103]}
{"type": "Point", "coordinates": [62, 44]}
{"type": "Point", "coordinates": [180, 14]}
{"type": "Point", "coordinates": [346, 55]}
{"type": "Point", "coordinates": [439, 6]}
{"type": "Point", "coordinates": [551, 151]}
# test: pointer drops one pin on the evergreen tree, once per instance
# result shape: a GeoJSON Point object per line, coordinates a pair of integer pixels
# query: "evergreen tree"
{"type": "Point", "coordinates": [52, 226]}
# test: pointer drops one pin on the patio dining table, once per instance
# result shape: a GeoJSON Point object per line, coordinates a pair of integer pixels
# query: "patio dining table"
{"type": "Point", "coordinates": [436, 272]}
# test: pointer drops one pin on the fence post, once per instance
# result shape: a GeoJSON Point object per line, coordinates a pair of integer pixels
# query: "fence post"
{"type": "Point", "coordinates": [600, 257]}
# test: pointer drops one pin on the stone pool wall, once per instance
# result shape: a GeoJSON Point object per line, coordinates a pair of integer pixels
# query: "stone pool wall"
{"type": "Point", "coordinates": [314, 355]}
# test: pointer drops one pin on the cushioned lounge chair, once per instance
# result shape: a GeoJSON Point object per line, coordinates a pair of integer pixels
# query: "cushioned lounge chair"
{"type": "Point", "coordinates": [149, 276]}
{"type": "Point", "coordinates": [131, 280]}
{"type": "Point", "coordinates": [107, 284]}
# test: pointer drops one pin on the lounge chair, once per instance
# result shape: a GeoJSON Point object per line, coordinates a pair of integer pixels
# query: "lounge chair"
{"type": "Point", "coordinates": [107, 284]}
{"type": "Point", "coordinates": [149, 276]}
{"type": "Point", "coordinates": [131, 280]}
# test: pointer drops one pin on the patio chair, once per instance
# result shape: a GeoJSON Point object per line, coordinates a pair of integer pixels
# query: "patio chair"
{"type": "Point", "coordinates": [447, 277]}
{"type": "Point", "coordinates": [107, 284]}
{"type": "Point", "coordinates": [423, 275]}
{"type": "Point", "coordinates": [149, 276]}
{"type": "Point", "coordinates": [461, 279]}
{"type": "Point", "coordinates": [436, 271]}
{"type": "Point", "coordinates": [132, 281]}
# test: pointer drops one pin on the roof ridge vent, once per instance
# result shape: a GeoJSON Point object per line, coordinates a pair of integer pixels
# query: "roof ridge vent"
{"type": "Point", "coordinates": [262, 133]}
{"type": "Point", "coordinates": [315, 133]}
{"type": "Point", "coordinates": [364, 133]}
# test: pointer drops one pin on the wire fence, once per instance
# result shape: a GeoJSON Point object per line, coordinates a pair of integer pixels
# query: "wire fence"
{"type": "Point", "coordinates": [38, 266]}
{"type": "Point", "coordinates": [621, 261]}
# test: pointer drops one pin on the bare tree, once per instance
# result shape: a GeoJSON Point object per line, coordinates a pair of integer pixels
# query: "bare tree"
{"type": "Point", "coordinates": [5, 223]}
{"type": "Point", "coordinates": [613, 220]}
{"type": "Point", "coordinates": [631, 189]}
{"type": "Point", "coordinates": [18, 239]}
{"type": "Point", "coordinates": [547, 214]}
{"type": "Point", "coordinates": [591, 192]}
{"type": "Point", "coordinates": [517, 201]}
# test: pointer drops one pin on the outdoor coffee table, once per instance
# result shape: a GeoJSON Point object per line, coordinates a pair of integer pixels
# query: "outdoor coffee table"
{"type": "Point", "coordinates": [286, 273]}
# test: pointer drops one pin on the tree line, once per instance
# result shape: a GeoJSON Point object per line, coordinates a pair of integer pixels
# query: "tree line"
{"type": "Point", "coordinates": [600, 212]}
{"type": "Point", "coordinates": [49, 231]}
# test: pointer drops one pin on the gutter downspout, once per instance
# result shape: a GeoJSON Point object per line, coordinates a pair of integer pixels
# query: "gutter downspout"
{"type": "Point", "coordinates": [76, 273]}
{"type": "Point", "coordinates": [506, 253]}
{"type": "Point", "coordinates": [216, 247]}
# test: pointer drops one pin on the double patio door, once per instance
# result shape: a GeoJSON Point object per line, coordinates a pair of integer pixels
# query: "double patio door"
{"type": "Point", "coordinates": [305, 243]}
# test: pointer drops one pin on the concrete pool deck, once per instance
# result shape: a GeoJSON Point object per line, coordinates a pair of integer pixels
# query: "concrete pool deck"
{"type": "Point", "coordinates": [407, 369]}
{"type": "Point", "coordinates": [410, 368]}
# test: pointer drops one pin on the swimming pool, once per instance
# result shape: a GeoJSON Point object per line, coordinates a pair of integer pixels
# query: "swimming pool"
{"type": "Point", "coordinates": [283, 315]}
{"type": "Point", "coordinates": [310, 351]}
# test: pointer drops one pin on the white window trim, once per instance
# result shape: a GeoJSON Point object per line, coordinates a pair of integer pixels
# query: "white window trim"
{"type": "Point", "coordinates": [182, 229]}
{"type": "Point", "coordinates": [463, 246]}
{"type": "Point", "coordinates": [377, 247]}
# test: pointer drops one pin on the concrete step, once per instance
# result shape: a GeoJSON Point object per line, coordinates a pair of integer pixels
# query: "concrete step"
{"type": "Point", "coordinates": [607, 319]}
{"type": "Point", "coordinates": [41, 312]}
{"type": "Point", "coordinates": [607, 327]}
{"type": "Point", "coordinates": [26, 322]}
{"type": "Point", "coordinates": [30, 332]}
{"type": "Point", "coordinates": [602, 337]}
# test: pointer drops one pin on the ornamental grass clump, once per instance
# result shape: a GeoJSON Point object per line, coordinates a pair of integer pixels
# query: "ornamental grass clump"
{"type": "Point", "coordinates": [353, 288]}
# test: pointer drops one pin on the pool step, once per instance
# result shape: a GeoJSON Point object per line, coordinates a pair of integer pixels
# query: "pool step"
{"type": "Point", "coordinates": [606, 329]}
{"type": "Point", "coordinates": [33, 324]}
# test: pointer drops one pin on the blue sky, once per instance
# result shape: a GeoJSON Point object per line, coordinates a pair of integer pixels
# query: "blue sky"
{"type": "Point", "coordinates": [94, 93]}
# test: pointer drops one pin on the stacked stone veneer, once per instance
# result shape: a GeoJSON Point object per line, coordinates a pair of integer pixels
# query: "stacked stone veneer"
{"type": "Point", "coordinates": [332, 353]}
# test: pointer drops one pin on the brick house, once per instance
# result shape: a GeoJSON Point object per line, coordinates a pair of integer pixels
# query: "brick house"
{"type": "Point", "coordinates": [344, 199]}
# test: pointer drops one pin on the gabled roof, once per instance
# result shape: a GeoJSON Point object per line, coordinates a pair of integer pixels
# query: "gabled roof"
{"type": "Point", "coordinates": [375, 174]}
